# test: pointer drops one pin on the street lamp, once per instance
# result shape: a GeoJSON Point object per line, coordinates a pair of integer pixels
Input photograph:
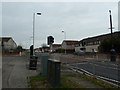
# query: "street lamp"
{"type": "Point", "coordinates": [64, 34]}
{"type": "Point", "coordinates": [65, 39]}
{"type": "Point", "coordinates": [113, 52]}
{"type": "Point", "coordinates": [111, 22]}
{"type": "Point", "coordinates": [34, 29]}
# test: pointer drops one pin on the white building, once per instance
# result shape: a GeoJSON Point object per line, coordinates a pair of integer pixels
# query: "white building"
{"type": "Point", "coordinates": [69, 44]}
{"type": "Point", "coordinates": [7, 43]}
{"type": "Point", "coordinates": [91, 44]}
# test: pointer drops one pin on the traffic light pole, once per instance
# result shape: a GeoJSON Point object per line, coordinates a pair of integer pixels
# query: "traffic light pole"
{"type": "Point", "coordinates": [50, 41]}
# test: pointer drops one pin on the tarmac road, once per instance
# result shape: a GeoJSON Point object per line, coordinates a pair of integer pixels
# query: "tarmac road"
{"type": "Point", "coordinates": [15, 71]}
{"type": "Point", "coordinates": [100, 68]}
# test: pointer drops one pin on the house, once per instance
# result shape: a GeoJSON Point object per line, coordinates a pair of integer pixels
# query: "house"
{"type": "Point", "coordinates": [54, 47]}
{"type": "Point", "coordinates": [69, 44]}
{"type": "Point", "coordinates": [45, 49]}
{"type": "Point", "coordinates": [91, 44]}
{"type": "Point", "coordinates": [7, 44]}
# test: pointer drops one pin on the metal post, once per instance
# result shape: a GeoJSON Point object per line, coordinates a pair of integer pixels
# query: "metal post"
{"type": "Point", "coordinates": [33, 31]}
{"type": "Point", "coordinates": [112, 51]}
{"type": "Point", "coordinates": [65, 39]}
{"type": "Point", "coordinates": [110, 22]}
{"type": "Point", "coordinates": [65, 44]}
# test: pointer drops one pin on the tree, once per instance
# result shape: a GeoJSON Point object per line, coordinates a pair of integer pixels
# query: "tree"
{"type": "Point", "coordinates": [44, 45]}
{"type": "Point", "coordinates": [107, 44]}
{"type": "Point", "coordinates": [19, 48]}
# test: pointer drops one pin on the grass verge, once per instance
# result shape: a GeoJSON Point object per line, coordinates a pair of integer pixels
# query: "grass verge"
{"type": "Point", "coordinates": [40, 81]}
{"type": "Point", "coordinates": [96, 81]}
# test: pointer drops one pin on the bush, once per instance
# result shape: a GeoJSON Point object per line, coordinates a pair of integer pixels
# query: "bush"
{"type": "Point", "coordinates": [19, 48]}
{"type": "Point", "coordinates": [109, 43]}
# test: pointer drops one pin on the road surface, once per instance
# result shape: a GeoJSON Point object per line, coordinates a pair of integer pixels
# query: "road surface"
{"type": "Point", "coordinates": [103, 69]}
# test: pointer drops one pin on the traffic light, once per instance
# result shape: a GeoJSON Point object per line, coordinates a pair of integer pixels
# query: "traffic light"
{"type": "Point", "coordinates": [50, 40]}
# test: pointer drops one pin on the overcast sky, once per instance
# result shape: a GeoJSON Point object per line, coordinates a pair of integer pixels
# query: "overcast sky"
{"type": "Point", "coordinates": [78, 19]}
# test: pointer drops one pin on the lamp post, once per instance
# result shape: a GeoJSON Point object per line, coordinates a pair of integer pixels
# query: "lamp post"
{"type": "Point", "coordinates": [112, 51]}
{"type": "Point", "coordinates": [34, 29]}
{"type": "Point", "coordinates": [110, 22]}
{"type": "Point", "coordinates": [65, 39]}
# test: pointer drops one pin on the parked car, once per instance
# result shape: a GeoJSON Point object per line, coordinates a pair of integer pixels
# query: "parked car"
{"type": "Point", "coordinates": [80, 52]}
{"type": "Point", "coordinates": [36, 51]}
{"type": "Point", "coordinates": [52, 51]}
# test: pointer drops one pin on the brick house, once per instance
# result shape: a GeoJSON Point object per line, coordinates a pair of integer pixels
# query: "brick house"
{"type": "Point", "coordinates": [55, 47]}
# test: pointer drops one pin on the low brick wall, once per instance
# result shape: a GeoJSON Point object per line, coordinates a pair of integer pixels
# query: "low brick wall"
{"type": "Point", "coordinates": [101, 56]}
{"type": "Point", "coordinates": [9, 53]}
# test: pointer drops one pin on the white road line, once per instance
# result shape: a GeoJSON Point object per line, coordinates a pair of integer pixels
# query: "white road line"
{"type": "Point", "coordinates": [104, 66]}
{"type": "Point", "coordinates": [98, 77]}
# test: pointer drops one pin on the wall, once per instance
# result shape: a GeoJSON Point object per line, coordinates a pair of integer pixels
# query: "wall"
{"type": "Point", "coordinates": [101, 56]}
{"type": "Point", "coordinates": [92, 48]}
{"type": "Point", "coordinates": [67, 46]}
{"type": "Point", "coordinates": [88, 48]}
{"type": "Point", "coordinates": [77, 49]}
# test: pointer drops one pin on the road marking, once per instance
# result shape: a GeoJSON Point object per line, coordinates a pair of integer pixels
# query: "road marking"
{"type": "Point", "coordinates": [111, 81]}
{"type": "Point", "coordinates": [105, 66]}
{"type": "Point", "coordinates": [116, 68]}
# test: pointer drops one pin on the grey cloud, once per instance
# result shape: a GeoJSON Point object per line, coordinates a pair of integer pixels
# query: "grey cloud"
{"type": "Point", "coordinates": [79, 20]}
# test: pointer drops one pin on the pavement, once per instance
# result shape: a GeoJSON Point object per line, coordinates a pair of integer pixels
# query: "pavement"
{"type": "Point", "coordinates": [15, 71]}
